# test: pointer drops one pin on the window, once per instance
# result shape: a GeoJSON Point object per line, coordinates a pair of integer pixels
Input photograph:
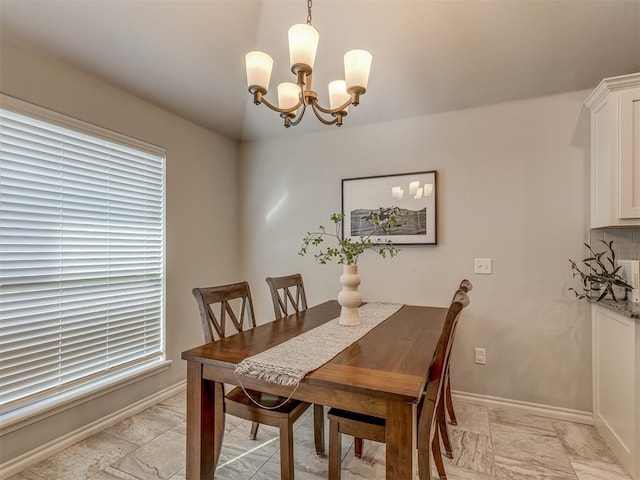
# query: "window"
{"type": "Point", "coordinates": [81, 255]}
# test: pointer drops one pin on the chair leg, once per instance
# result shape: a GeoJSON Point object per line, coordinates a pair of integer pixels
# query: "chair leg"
{"type": "Point", "coordinates": [424, 440]}
{"type": "Point", "coordinates": [318, 429]}
{"type": "Point", "coordinates": [287, 467]}
{"type": "Point", "coordinates": [444, 432]}
{"type": "Point", "coordinates": [335, 451]}
{"type": "Point", "coordinates": [254, 430]}
{"type": "Point", "coordinates": [449, 401]}
{"type": "Point", "coordinates": [442, 426]}
{"type": "Point", "coordinates": [437, 455]}
{"type": "Point", "coordinates": [357, 447]}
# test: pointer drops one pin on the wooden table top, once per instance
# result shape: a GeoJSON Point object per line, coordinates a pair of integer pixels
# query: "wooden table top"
{"type": "Point", "coordinates": [391, 360]}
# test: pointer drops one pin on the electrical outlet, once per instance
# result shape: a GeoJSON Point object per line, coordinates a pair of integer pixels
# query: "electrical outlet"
{"type": "Point", "coordinates": [481, 356]}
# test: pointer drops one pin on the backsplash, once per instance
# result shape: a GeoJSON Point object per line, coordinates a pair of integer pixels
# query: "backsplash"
{"type": "Point", "coordinates": [626, 241]}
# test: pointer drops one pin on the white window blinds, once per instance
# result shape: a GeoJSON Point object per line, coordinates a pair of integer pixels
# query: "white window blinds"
{"type": "Point", "coordinates": [81, 257]}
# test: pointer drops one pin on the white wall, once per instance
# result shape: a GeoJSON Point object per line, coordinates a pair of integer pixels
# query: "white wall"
{"type": "Point", "coordinates": [513, 186]}
{"type": "Point", "coordinates": [201, 214]}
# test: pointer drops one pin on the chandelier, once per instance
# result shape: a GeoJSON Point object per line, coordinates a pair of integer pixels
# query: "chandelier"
{"type": "Point", "coordinates": [294, 98]}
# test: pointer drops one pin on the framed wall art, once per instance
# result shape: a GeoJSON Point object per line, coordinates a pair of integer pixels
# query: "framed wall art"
{"type": "Point", "coordinates": [412, 195]}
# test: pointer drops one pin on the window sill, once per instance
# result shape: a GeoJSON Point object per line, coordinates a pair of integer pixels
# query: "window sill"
{"type": "Point", "coordinates": [21, 417]}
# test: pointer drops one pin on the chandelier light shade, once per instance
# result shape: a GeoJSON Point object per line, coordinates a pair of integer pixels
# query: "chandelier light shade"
{"type": "Point", "coordinates": [259, 66]}
{"type": "Point", "coordinates": [338, 94]}
{"type": "Point", "coordinates": [294, 98]}
{"type": "Point", "coordinates": [288, 95]}
{"type": "Point", "coordinates": [303, 45]}
{"type": "Point", "coordinates": [357, 64]}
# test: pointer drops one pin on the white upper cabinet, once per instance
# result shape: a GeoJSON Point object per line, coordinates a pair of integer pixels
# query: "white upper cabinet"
{"type": "Point", "coordinates": [615, 152]}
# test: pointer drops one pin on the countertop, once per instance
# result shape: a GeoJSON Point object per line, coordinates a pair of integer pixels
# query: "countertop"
{"type": "Point", "coordinates": [628, 309]}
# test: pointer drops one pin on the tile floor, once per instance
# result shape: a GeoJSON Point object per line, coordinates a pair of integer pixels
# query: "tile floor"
{"type": "Point", "coordinates": [488, 444]}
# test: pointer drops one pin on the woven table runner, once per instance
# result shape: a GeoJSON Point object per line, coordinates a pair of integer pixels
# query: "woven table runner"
{"type": "Point", "coordinates": [286, 364]}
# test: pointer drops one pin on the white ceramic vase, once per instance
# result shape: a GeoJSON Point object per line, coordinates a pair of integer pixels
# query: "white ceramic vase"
{"type": "Point", "coordinates": [349, 297]}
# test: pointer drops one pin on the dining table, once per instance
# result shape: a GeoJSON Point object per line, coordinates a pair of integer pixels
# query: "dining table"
{"type": "Point", "coordinates": [382, 374]}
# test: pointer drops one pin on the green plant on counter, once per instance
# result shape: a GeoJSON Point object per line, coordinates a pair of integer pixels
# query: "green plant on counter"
{"type": "Point", "coordinates": [348, 250]}
{"type": "Point", "coordinates": [599, 274]}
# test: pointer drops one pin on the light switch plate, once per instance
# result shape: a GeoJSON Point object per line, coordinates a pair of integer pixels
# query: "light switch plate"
{"type": "Point", "coordinates": [482, 266]}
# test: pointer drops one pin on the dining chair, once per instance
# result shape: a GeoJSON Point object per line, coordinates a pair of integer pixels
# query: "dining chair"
{"type": "Point", "coordinates": [231, 307]}
{"type": "Point", "coordinates": [446, 401]}
{"type": "Point", "coordinates": [466, 286]}
{"type": "Point", "coordinates": [287, 292]}
{"type": "Point", "coordinates": [373, 428]}
{"type": "Point", "coordinates": [288, 297]}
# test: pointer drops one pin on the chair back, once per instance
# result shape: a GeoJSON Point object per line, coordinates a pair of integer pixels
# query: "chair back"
{"type": "Point", "coordinates": [223, 304]}
{"type": "Point", "coordinates": [287, 294]}
{"type": "Point", "coordinates": [465, 285]}
{"type": "Point", "coordinates": [443, 350]}
{"type": "Point", "coordinates": [435, 385]}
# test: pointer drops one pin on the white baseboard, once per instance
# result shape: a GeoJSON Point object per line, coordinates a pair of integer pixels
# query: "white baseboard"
{"type": "Point", "coordinates": [19, 463]}
{"type": "Point", "coordinates": [541, 410]}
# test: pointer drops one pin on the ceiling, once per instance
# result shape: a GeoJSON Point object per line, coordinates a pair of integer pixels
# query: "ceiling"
{"type": "Point", "coordinates": [428, 56]}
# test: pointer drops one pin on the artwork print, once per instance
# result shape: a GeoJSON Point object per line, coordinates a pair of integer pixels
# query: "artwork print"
{"type": "Point", "coordinates": [409, 196]}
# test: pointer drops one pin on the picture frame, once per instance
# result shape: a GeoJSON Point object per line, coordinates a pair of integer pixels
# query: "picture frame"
{"type": "Point", "coordinates": [412, 195]}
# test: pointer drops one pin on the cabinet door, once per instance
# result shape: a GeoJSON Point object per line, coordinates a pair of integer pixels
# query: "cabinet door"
{"type": "Point", "coordinates": [614, 383]}
{"type": "Point", "coordinates": [604, 156]}
{"type": "Point", "coordinates": [630, 154]}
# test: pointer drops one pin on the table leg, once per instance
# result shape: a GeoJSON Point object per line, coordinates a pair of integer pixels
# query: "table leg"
{"type": "Point", "coordinates": [400, 441]}
{"type": "Point", "coordinates": [205, 423]}
{"type": "Point", "coordinates": [318, 428]}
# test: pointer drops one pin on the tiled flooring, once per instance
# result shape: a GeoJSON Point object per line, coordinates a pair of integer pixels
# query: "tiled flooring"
{"type": "Point", "coordinates": [488, 444]}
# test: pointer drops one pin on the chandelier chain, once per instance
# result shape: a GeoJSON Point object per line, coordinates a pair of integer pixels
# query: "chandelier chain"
{"type": "Point", "coordinates": [309, 3]}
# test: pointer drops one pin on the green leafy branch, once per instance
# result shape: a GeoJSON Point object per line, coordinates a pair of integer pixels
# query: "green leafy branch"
{"type": "Point", "coordinates": [347, 249]}
{"type": "Point", "coordinates": [600, 273]}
